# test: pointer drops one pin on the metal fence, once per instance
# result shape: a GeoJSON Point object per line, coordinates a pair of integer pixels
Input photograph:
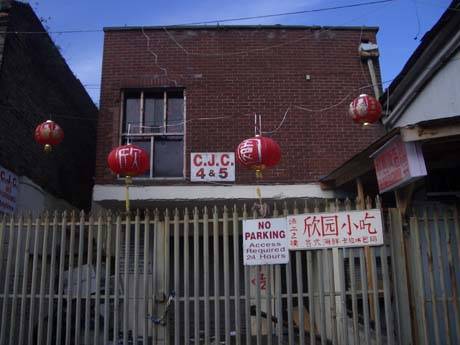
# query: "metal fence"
{"type": "Point", "coordinates": [177, 277]}
{"type": "Point", "coordinates": [434, 274]}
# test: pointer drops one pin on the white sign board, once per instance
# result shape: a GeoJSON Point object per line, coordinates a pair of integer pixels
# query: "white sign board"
{"type": "Point", "coordinates": [265, 242]}
{"type": "Point", "coordinates": [212, 167]}
{"type": "Point", "coordinates": [338, 229]}
{"type": "Point", "coordinates": [8, 190]}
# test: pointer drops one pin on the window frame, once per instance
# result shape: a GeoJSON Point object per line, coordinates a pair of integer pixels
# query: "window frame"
{"type": "Point", "coordinates": [151, 135]}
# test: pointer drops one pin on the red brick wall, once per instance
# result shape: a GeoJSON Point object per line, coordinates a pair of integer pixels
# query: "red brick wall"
{"type": "Point", "coordinates": [237, 71]}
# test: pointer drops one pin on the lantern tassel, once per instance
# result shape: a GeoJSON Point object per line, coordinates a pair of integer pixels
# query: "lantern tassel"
{"type": "Point", "coordinates": [128, 181]}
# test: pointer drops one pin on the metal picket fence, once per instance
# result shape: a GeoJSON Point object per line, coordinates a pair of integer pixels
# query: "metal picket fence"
{"type": "Point", "coordinates": [177, 277]}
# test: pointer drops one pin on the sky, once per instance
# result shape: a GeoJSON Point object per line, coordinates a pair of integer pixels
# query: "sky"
{"type": "Point", "coordinates": [402, 24]}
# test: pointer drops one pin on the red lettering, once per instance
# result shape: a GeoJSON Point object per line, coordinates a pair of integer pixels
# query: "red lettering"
{"type": "Point", "coordinates": [225, 160]}
{"type": "Point", "coordinates": [197, 160]}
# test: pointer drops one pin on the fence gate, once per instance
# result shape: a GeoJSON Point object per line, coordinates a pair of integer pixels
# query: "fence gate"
{"type": "Point", "coordinates": [177, 277]}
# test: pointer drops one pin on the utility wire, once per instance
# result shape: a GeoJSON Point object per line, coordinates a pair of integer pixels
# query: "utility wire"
{"type": "Point", "coordinates": [218, 21]}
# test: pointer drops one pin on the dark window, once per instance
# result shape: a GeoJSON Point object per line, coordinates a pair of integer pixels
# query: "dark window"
{"type": "Point", "coordinates": [154, 120]}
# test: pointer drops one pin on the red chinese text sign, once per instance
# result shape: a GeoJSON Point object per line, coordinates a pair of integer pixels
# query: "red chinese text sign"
{"type": "Point", "coordinates": [338, 229]}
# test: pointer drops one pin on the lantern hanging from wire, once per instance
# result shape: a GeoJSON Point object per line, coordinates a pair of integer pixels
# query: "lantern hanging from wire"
{"type": "Point", "coordinates": [365, 109]}
{"type": "Point", "coordinates": [128, 161]}
{"type": "Point", "coordinates": [49, 134]}
{"type": "Point", "coordinates": [258, 153]}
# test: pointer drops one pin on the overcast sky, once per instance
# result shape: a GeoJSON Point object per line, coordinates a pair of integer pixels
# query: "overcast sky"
{"type": "Point", "coordinates": [402, 24]}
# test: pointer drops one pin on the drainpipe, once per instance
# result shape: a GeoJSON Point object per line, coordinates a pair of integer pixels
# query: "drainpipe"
{"type": "Point", "coordinates": [368, 52]}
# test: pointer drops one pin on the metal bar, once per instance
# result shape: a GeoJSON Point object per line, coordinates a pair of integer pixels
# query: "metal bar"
{"type": "Point", "coordinates": [300, 306]}
{"type": "Point", "coordinates": [126, 280]}
{"type": "Point", "coordinates": [2, 239]}
{"type": "Point", "coordinates": [378, 329]}
{"type": "Point", "coordinates": [236, 275]}
{"type": "Point", "coordinates": [268, 306]}
{"type": "Point", "coordinates": [196, 275]}
{"type": "Point", "coordinates": [186, 280]}
{"type": "Point", "coordinates": [14, 302]}
{"type": "Point", "coordinates": [98, 279]}
{"type": "Point", "coordinates": [453, 274]}
{"type": "Point", "coordinates": [429, 254]}
{"type": "Point", "coordinates": [386, 294]}
{"type": "Point", "coordinates": [177, 328]}
{"type": "Point", "coordinates": [289, 302]}
{"type": "Point", "coordinates": [136, 277]}
{"type": "Point", "coordinates": [364, 295]}
{"type": "Point", "coordinates": [332, 295]}
{"type": "Point", "coordinates": [419, 289]}
{"type": "Point", "coordinates": [322, 312]}
{"type": "Point", "coordinates": [215, 229]}
{"type": "Point", "coordinates": [108, 262]}
{"type": "Point", "coordinates": [62, 252]}
{"type": "Point", "coordinates": [32, 315]}
{"type": "Point", "coordinates": [278, 293]}
{"type": "Point", "coordinates": [156, 243]}
{"type": "Point", "coordinates": [116, 301]}
{"type": "Point", "coordinates": [81, 229]}
{"type": "Point", "coordinates": [49, 330]}
{"type": "Point", "coordinates": [343, 300]}
{"type": "Point", "coordinates": [89, 264]}
{"type": "Point", "coordinates": [226, 277]}
{"type": "Point", "coordinates": [442, 278]}
{"type": "Point", "coordinates": [354, 302]}
{"type": "Point", "coordinates": [6, 282]}
{"type": "Point", "coordinates": [25, 281]}
{"type": "Point", "coordinates": [43, 281]}
{"type": "Point", "coordinates": [145, 281]}
{"type": "Point", "coordinates": [247, 296]}
{"type": "Point", "coordinates": [258, 306]}
{"type": "Point", "coordinates": [167, 267]}
{"type": "Point", "coordinates": [311, 301]}
{"type": "Point", "coordinates": [207, 319]}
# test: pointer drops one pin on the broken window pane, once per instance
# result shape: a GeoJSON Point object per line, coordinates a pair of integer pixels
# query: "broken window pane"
{"type": "Point", "coordinates": [168, 160]}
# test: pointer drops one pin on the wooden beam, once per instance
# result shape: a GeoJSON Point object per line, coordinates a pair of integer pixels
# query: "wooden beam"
{"type": "Point", "coordinates": [404, 197]}
{"type": "Point", "coordinates": [417, 133]}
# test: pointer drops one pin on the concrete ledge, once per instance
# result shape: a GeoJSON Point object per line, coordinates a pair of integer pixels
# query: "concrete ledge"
{"type": "Point", "coordinates": [207, 192]}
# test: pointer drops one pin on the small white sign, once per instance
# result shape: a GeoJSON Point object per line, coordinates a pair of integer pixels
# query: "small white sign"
{"type": "Point", "coordinates": [8, 190]}
{"type": "Point", "coordinates": [212, 167]}
{"type": "Point", "coordinates": [265, 242]}
{"type": "Point", "coordinates": [338, 229]}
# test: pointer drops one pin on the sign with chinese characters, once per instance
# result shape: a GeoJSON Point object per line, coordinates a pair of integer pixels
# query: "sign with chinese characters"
{"type": "Point", "coordinates": [212, 167]}
{"type": "Point", "coordinates": [8, 190]}
{"type": "Point", "coordinates": [338, 229]}
{"type": "Point", "coordinates": [398, 163]}
{"type": "Point", "coordinates": [265, 241]}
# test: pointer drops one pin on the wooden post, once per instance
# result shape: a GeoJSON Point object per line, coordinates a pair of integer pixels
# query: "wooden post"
{"type": "Point", "coordinates": [361, 205]}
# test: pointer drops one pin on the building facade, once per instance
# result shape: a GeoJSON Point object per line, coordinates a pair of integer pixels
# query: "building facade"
{"type": "Point", "coordinates": [181, 90]}
{"type": "Point", "coordinates": [36, 84]}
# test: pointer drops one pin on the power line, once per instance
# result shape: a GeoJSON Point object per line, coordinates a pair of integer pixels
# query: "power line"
{"type": "Point", "coordinates": [218, 21]}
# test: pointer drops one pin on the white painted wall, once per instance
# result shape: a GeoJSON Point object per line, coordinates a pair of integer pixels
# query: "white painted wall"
{"type": "Point", "coordinates": [439, 99]}
{"type": "Point", "coordinates": [31, 197]}
{"type": "Point", "coordinates": [206, 192]}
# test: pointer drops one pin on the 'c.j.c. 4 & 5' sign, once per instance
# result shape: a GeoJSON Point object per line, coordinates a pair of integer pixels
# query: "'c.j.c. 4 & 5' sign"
{"type": "Point", "coordinates": [339, 229]}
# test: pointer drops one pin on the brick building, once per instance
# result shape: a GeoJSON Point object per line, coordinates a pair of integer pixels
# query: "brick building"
{"type": "Point", "coordinates": [36, 84]}
{"type": "Point", "coordinates": [181, 90]}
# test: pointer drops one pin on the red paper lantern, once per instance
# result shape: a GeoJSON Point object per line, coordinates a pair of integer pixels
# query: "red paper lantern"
{"type": "Point", "coordinates": [258, 153]}
{"type": "Point", "coordinates": [48, 133]}
{"type": "Point", "coordinates": [128, 160]}
{"type": "Point", "coordinates": [365, 109]}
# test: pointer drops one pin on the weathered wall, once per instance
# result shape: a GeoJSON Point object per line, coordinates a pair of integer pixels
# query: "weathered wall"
{"type": "Point", "coordinates": [35, 84]}
{"type": "Point", "coordinates": [236, 71]}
